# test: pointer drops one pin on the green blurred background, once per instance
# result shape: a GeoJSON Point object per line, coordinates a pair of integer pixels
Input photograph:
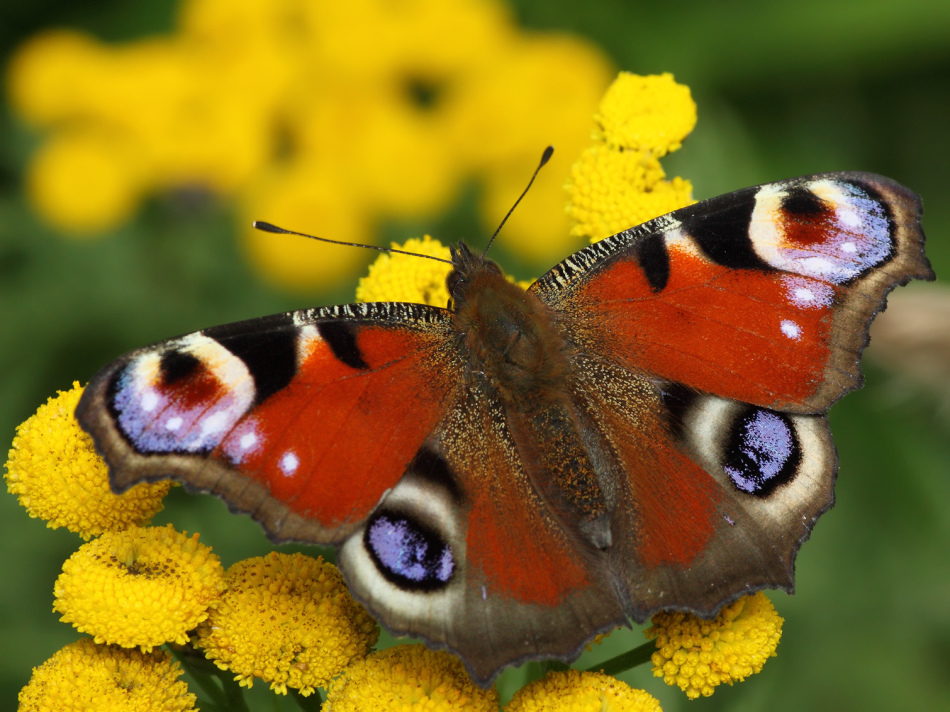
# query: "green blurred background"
{"type": "Point", "coordinates": [783, 89]}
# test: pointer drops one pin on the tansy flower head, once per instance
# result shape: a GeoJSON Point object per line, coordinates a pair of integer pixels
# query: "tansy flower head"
{"type": "Point", "coordinates": [289, 620]}
{"type": "Point", "coordinates": [618, 181]}
{"type": "Point", "coordinates": [408, 678]}
{"type": "Point", "coordinates": [139, 588]}
{"type": "Point", "coordinates": [697, 655]}
{"type": "Point", "coordinates": [403, 278]}
{"type": "Point", "coordinates": [85, 677]}
{"type": "Point", "coordinates": [651, 114]}
{"type": "Point", "coordinates": [575, 691]}
{"type": "Point", "coordinates": [54, 470]}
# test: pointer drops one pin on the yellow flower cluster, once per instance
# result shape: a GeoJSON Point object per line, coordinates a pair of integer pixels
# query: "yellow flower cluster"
{"type": "Point", "coordinates": [403, 278]}
{"type": "Point", "coordinates": [140, 587]}
{"type": "Point", "coordinates": [408, 678]}
{"type": "Point", "coordinates": [618, 181]}
{"type": "Point", "coordinates": [574, 691]}
{"type": "Point", "coordinates": [323, 116]}
{"type": "Point", "coordinates": [289, 620]}
{"type": "Point", "coordinates": [54, 470]}
{"type": "Point", "coordinates": [697, 655]}
{"type": "Point", "coordinates": [85, 677]}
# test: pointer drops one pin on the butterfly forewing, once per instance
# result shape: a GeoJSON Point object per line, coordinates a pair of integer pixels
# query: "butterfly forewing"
{"type": "Point", "coordinates": [303, 419]}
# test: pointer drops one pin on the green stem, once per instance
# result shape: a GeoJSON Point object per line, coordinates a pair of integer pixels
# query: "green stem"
{"type": "Point", "coordinates": [313, 703]}
{"type": "Point", "coordinates": [229, 696]}
{"type": "Point", "coordinates": [626, 661]}
{"type": "Point", "coordinates": [196, 667]}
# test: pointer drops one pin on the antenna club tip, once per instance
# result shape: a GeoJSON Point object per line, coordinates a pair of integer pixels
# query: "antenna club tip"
{"type": "Point", "coordinates": [266, 226]}
{"type": "Point", "coordinates": [546, 156]}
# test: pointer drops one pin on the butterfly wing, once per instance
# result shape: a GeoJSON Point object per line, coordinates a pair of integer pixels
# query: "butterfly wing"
{"type": "Point", "coordinates": [303, 420]}
{"type": "Point", "coordinates": [763, 295]}
{"type": "Point", "coordinates": [358, 426]}
{"type": "Point", "coordinates": [501, 580]}
{"type": "Point", "coordinates": [709, 343]}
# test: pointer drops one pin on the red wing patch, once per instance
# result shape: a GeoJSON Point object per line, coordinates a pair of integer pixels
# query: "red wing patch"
{"type": "Point", "coordinates": [357, 402]}
{"type": "Point", "coordinates": [336, 438]}
{"type": "Point", "coordinates": [755, 336]}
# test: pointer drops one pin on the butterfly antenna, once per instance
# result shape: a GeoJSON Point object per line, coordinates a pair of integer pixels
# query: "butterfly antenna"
{"type": "Point", "coordinates": [545, 157]}
{"type": "Point", "coordinates": [268, 227]}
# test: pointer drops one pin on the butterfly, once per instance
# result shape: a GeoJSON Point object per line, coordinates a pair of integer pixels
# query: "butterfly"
{"type": "Point", "coordinates": [642, 429]}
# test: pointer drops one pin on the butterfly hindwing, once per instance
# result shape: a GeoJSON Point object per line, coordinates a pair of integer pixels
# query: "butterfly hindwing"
{"type": "Point", "coordinates": [303, 419]}
{"type": "Point", "coordinates": [486, 567]}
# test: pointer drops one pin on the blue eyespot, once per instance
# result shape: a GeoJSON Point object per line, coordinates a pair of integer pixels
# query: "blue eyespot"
{"type": "Point", "coordinates": [407, 553]}
{"type": "Point", "coordinates": [763, 451]}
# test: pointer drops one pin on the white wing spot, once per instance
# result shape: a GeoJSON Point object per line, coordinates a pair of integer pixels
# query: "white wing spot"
{"type": "Point", "coordinates": [849, 218]}
{"type": "Point", "coordinates": [248, 440]}
{"type": "Point", "coordinates": [215, 423]}
{"type": "Point", "coordinates": [803, 294]}
{"type": "Point", "coordinates": [173, 423]}
{"type": "Point", "coordinates": [848, 247]}
{"type": "Point", "coordinates": [289, 463]}
{"type": "Point", "coordinates": [149, 401]}
{"type": "Point", "coordinates": [791, 329]}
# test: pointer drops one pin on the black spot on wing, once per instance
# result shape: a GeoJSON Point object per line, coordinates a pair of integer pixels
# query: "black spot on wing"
{"type": "Point", "coordinates": [721, 228]}
{"type": "Point", "coordinates": [177, 365]}
{"type": "Point", "coordinates": [677, 399]}
{"type": "Point", "coordinates": [803, 204]}
{"type": "Point", "coordinates": [432, 467]}
{"type": "Point", "coordinates": [269, 352]}
{"type": "Point", "coordinates": [655, 261]}
{"type": "Point", "coordinates": [341, 338]}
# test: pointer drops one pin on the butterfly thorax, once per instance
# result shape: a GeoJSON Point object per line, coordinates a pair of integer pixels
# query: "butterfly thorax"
{"type": "Point", "coordinates": [509, 336]}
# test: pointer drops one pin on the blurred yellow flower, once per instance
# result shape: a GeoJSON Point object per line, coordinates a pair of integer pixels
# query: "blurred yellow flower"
{"type": "Point", "coordinates": [139, 588]}
{"type": "Point", "coordinates": [55, 471]}
{"type": "Point", "coordinates": [362, 111]}
{"type": "Point", "coordinates": [408, 678]}
{"type": "Point", "coordinates": [618, 182]}
{"type": "Point", "coordinates": [289, 620]}
{"type": "Point", "coordinates": [697, 655]}
{"type": "Point", "coordinates": [85, 677]}
{"type": "Point", "coordinates": [83, 181]}
{"type": "Point", "coordinates": [575, 691]}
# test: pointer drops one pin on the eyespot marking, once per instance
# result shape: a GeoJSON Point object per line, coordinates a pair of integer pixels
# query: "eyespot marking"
{"type": "Point", "coordinates": [762, 453]}
{"type": "Point", "coordinates": [408, 554]}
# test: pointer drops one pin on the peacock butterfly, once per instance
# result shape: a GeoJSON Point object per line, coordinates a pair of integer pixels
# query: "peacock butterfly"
{"type": "Point", "coordinates": [643, 428]}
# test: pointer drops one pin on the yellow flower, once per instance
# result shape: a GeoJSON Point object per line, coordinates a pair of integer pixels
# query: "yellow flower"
{"type": "Point", "coordinates": [574, 691]}
{"type": "Point", "coordinates": [54, 470]}
{"type": "Point", "coordinates": [50, 75]}
{"type": "Point", "coordinates": [618, 182]}
{"type": "Point", "coordinates": [697, 655]}
{"type": "Point", "coordinates": [85, 181]}
{"type": "Point", "coordinates": [289, 620]}
{"type": "Point", "coordinates": [403, 278]}
{"type": "Point", "coordinates": [139, 588]}
{"type": "Point", "coordinates": [85, 677]}
{"type": "Point", "coordinates": [651, 114]}
{"type": "Point", "coordinates": [407, 678]}
{"type": "Point", "coordinates": [439, 94]}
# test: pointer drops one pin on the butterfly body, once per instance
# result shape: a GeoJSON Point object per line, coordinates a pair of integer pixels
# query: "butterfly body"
{"type": "Point", "coordinates": [641, 429]}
